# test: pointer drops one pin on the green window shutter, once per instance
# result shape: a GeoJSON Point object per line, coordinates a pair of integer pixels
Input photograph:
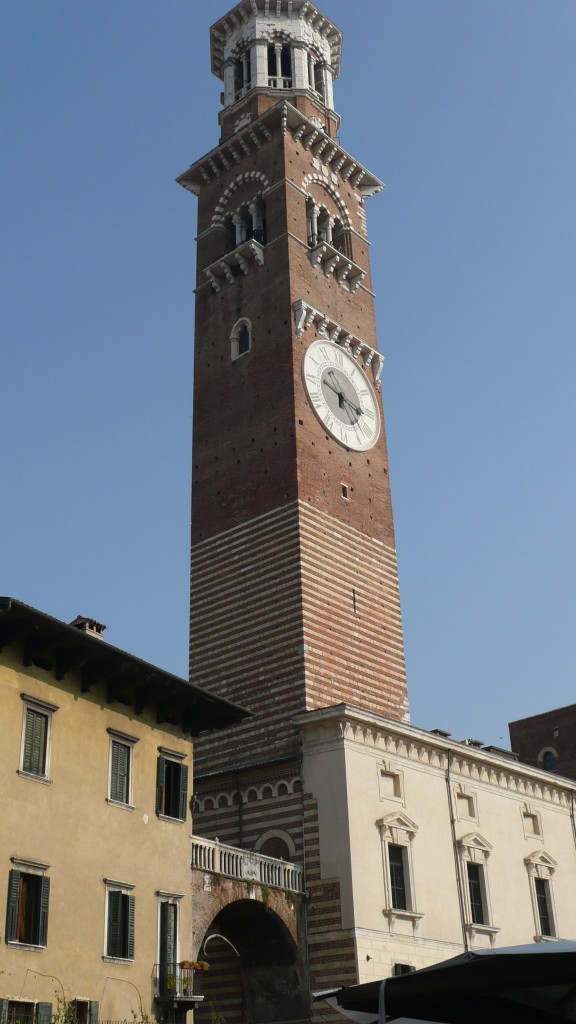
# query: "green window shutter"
{"type": "Point", "coordinates": [131, 913]}
{"type": "Point", "coordinates": [183, 792]}
{"type": "Point", "coordinates": [43, 918]}
{"type": "Point", "coordinates": [119, 774]}
{"type": "Point", "coordinates": [160, 783]}
{"type": "Point", "coordinates": [168, 935]}
{"type": "Point", "coordinates": [44, 1013]}
{"type": "Point", "coordinates": [12, 906]}
{"type": "Point", "coordinates": [3, 1011]}
{"type": "Point", "coordinates": [93, 1013]}
{"type": "Point", "coordinates": [114, 917]}
{"type": "Point", "coordinates": [35, 742]}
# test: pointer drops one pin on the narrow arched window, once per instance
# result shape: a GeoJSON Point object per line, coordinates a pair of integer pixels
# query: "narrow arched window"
{"type": "Point", "coordinates": [549, 761]}
{"type": "Point", "coordinates": [240, 339]}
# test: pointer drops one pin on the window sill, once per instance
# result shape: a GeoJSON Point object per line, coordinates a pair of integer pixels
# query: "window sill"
{"type": "Point", "coordinates": [116, 959]}
{"type": "Point", "coordinates": [483, 929]}
{"type": "Point", "coordinates": [167, 817]}
{"type": "Point", "coordinates": [34, 778]}
{"type": "Point", "coordinates": [28, 946]}
{"type": "Point", "coordinates": [546, 938]}
{"type": "Point", "coordinates": [240, 356]}
{"type": "Point", "coordinates": [393, 915]}
{"type": "Point", "coordinates": [120, 803]}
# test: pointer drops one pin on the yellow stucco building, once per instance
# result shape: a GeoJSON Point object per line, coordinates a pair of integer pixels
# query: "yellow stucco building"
{"type": "Point", "coordinates": [95, 765]}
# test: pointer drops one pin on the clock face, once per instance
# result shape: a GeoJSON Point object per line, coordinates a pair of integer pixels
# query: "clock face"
{"type": "Point", "coordinates": [341, 395]}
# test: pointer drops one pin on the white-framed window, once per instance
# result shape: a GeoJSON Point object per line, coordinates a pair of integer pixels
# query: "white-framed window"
{"type": "Point", "coordinates": [169, 928]}
{"type": "Point", "coordinates": [119, 920]}
{"type": "Point", "coordinates": [474, 852]}
{"type": "Point", "coordinates": [174, 978]}
{"type": "Point", "coordinates": [27, 903]}
{"type": "Point", "coordinates": [397, 834]}
{"type": "Point", "coordinates": [120, 767]}
{"type": "Point", "coordinates": [36, 737]}
{"type": "Point", "coordinates": [171, 785]}
{"type": "Point", "coordinates": [240, 339]}
{"type": "Point", "coordinates": [541, 867]}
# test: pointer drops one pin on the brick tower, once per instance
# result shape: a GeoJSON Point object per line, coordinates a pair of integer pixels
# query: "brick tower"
{"type": "Point", "coordinates": [294, 589]}
{"type": "Point", "coordinates": [294, 592]}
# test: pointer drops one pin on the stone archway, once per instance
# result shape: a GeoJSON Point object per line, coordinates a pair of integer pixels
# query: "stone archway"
{"type": "Point", "coordinates": [256, 973]}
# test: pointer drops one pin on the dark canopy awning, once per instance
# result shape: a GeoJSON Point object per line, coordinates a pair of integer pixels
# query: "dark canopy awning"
{"type": "Point", "coordinates": [529, 984]}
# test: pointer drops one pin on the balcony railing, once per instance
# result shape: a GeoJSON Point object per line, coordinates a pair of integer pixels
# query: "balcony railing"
{"type": "Point", "coordinates": [209, 855]}
{"type": "Point", "coordinates": [177, 982]}
{"type": "Point", "coordinates": [279, 82]}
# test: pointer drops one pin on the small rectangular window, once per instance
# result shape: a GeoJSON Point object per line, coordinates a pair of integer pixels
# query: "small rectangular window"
{"type": "Point", "coordinates": [120, 771]}
{"type": "Point", "coordinates": [398, 877]}
{"type": "Point", "coordinates": [544, 906]}
{"type": "Point", "coordinates": [476, 893]}
{"type": "Point", "coordinates": [120, 929]}
{"type": "Point", "coordinates": [171, 788]}
{"type": "Point", "coordinates": [27, 908]}
{"type": "Point", "coordinates": [399, 969]}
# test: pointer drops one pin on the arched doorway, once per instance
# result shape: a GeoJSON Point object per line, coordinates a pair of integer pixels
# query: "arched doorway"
{"type": "Point", "coordinates": [255, 971]}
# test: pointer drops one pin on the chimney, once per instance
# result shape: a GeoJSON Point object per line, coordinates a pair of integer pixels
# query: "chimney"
{"type": "Point", "coordinates": [89, 626]}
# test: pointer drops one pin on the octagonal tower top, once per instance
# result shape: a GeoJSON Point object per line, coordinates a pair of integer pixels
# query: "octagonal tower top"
{"type": "Point", "coordinates": [267, 50]}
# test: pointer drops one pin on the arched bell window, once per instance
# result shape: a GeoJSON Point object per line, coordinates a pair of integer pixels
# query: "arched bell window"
{"type": "Point", "coordinates": [341, 238]}
{"type": "Point", "coordinates": [248, 222]}
{"type": "Point", "coordinates": [242, 75]}
{"type": "Point", "coordinates": [549, 760]}
{"type": "Point", "coordinates": [279, 66]}
{"type": "Point", "coordinates": [324, 226]}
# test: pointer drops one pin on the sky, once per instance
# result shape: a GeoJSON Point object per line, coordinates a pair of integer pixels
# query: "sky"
{"type": "Point", "coordinates": [465, 108]}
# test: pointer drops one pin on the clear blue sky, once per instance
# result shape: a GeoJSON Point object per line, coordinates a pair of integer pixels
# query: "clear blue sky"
{"type": "Point", "coordinates": [466, 109]}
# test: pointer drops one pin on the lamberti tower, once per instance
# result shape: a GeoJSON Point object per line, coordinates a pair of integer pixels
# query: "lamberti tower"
{"type": "Point", "coordinates": [294, 590]}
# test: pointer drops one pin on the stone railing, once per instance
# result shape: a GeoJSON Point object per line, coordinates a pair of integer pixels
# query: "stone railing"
{"type": "Point", "coordinates": [230, 861]}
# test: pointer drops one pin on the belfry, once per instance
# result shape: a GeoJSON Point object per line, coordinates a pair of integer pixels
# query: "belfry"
{"type": "Point", "coordinates": [294, 591]}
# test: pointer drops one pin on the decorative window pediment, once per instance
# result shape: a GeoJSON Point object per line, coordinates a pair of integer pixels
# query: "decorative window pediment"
{"type": "Point", "coordinates": [397, 828]}
{"type": "Point", "coordinates": [475, 847]}
{"type": "Point", "coordinates": [541, 864]}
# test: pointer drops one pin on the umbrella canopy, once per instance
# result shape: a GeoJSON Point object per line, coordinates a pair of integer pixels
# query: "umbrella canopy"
{"type": "Point", "coordinates": [529, 984]}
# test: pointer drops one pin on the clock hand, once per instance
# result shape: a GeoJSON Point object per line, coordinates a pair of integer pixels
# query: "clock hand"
{"type": "Point", "coordinates": [349, 401]}
{"type": "Point", "coordinates": [332, 388]}
{"type": "Point", "coordinates": [337, 390]}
